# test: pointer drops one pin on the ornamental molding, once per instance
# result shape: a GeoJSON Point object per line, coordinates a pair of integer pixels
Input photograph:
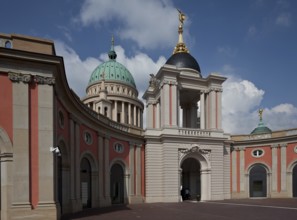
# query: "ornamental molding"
{"type": "Point", "coordinates": [194, 148]}
{"type": "Point", "coordinates": [215, 89]}
{"type": "Point", "coordinates": [44, 80]}
{"type": "Point", "coordinates": [29, 78]}
{"type": "Point", "coordinates": [19, 77]}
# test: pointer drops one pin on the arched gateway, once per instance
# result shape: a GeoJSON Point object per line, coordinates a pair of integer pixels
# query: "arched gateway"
{"type": "Point", "coordinates": [195, 174]}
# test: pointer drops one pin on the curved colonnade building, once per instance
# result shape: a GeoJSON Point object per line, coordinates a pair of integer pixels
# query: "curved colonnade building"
{"type": "Point", "coordinates": [60, 154]}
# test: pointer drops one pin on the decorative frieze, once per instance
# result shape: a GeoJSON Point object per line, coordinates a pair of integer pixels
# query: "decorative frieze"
{"type": "Point", "coordinates": [28, 78]}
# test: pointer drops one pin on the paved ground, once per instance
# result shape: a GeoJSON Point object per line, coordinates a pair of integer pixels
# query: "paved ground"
{"type": "Point", "coordinates": [262, 209]}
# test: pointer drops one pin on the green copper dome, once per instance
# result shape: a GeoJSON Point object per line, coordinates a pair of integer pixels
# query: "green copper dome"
{"type": "Point", "coordinates": [111, 70]}
{"type": "Point", "coordinates": [261, 129]}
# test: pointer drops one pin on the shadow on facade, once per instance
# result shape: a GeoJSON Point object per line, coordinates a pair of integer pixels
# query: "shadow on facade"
{"type": "Point", "coordinates": [94, 212]}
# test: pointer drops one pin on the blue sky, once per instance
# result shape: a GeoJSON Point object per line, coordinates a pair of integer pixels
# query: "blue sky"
{"type": "Point", "coordinates": [253, 42]}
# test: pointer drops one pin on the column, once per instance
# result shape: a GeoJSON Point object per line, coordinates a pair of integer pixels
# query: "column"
{"type": "Point", "coordinates": [149, 114]}
{"type": "Point", "coordinates": [202, 110]}
{"type": "Point", "coordinates": [219, 109]}
{"type": "Point", "coordinates": [129, 114]}
{"type": "Point", "coordinates": [274, 167]}
{"type": "Point", "coordinates": [212, 110]}
{"type": "Point", "coordinates": [139, 117]}
{"type": "Point", "coordinates": [123, 113]}
{"type": "Point", "coordinates": [134, 115]}
{"type": "Point", "coordinates": [115, 111]}
{"type": "Point", "coordinates": [165, 105]}
{"type": "Point", "coordinates": [283, 167]}
{"type": "Point", "coordinates": [157, 113]}
{"type": "Point", "coordinates": [174, 106]}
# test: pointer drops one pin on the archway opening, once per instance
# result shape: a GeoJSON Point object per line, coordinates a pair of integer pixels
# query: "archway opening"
{"type": "Point", "coordinates": [117, 184]}
{"type": "Point", "coordinates": [85, 183]}
{"type": "Point", "coordinates": [295, 181]}
{"type": "Point", "coordinates": [258, 181]}
{"type": "Point", "coordinates": [191, 179]}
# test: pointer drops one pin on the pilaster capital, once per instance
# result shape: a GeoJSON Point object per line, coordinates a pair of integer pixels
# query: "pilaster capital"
{"type": "Point", "coordinates": [274, 145]}
{"type": "Point", "coordinates": [20, 77]}
{"type": "Point", "coordinates": [44, 80]}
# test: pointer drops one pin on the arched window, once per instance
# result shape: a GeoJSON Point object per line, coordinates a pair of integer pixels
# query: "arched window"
{"type": "Point", "coordinates": [8, 44]}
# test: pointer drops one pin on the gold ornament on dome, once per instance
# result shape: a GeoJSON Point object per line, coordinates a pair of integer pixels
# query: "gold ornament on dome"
{"type": "Point", "coordinates": [180, 46]}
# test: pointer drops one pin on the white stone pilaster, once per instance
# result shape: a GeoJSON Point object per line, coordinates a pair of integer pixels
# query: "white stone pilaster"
{"type": "Point", "coordinates": [107, 170]}
{"type": "Point", "coordinates": [202, 110]}
{"type": "Point", "coordinates": [131, 164]}
{"type": "Point", "coordinates": [242, 175]}
{"type": "Point", "coordinates": [219, 109]}
{"type": "Point", "coordinates": [274, 168]}
{"type": "Point", "coordinates": [234, 171]}
{"type": "Point", "coordinates": [283, 167]}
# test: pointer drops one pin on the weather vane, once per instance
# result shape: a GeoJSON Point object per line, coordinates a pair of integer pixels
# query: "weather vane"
{"type": "Point", "coordinates": [181, 17]}
{"type": "Point", "coordinates": [180, 47]}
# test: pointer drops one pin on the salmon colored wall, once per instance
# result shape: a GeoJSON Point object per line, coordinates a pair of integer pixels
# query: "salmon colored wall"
{"type": "Point", "coordinates": [143, 170]}
{"type": "Point", "coordinates": [86, 147]}
{"type": "Point", "coordinates": [6, 104]}
{"type": "Point", "coordinates": [63, 131]}
{"type": "Point", "coordinates": [291, 155]}
{"type": "Point", "coordinates": [266, 158]}
{"type": "Point", "coordinates": [124, 155]}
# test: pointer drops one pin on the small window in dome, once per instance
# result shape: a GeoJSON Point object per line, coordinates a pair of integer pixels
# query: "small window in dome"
{"type": "Point", "coordinates": [118, 76]}
{"type": "Point", "coordinates": [112, 75]}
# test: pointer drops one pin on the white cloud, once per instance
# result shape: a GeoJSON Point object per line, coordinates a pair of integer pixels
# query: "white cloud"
{"type": "Point", "coordinates": [79, 71]}
{"type": "Point", "coordinates": [151, 24]}
{"type": "Point", "coordinates": [240, 103]}
{"type": "Point", "coordinates": [283, 19]}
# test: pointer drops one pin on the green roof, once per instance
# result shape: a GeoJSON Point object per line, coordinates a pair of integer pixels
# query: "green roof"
{"type": "Point", "coordinates": [112, 70]}
{"type": "Point", "coordinates": [261, 129]}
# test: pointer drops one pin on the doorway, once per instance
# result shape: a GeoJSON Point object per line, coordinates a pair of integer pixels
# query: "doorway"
{"type": "Point", "coordinates": [258, 181]}
{"type": "Point", "coordinates": [191, 179]}
{"type": "Point", "coordinates": [117, 184]}
{"type": "Point", "coordinates": [85, 183]}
